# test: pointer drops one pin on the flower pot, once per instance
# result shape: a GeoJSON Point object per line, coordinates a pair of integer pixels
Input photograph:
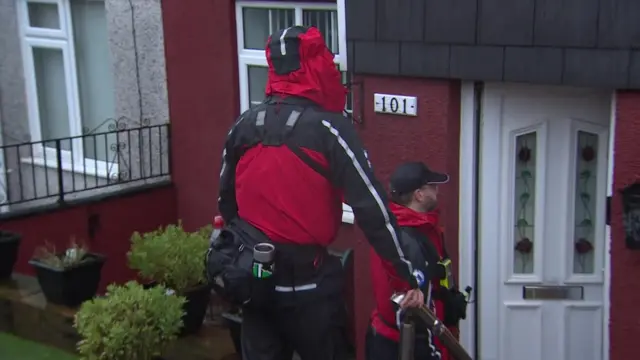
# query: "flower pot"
{"type": "Point", "coordinates": [195, 308]}
{"type": "Point", "coordinates": [9, 245]}
{"type": "Point", "coordinates": [71, 286]}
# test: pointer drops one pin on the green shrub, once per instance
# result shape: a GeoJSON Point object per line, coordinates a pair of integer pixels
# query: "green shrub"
{"type": "Point", "coordinates": [170, 256]}
{"type": "Point", "coordinates": [206, 231]}
{"type": "Point", "coordinates": [129, 323]}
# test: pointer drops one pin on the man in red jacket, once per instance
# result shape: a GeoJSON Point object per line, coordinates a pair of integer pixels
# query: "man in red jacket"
{"type": "Point", "coordinates": [414, 192]}
{"type": "Point", "coordinates": [286, 164]}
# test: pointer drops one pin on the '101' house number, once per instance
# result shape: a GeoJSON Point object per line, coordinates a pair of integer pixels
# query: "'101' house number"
{"type": "Point", "coordinates": [396, 104]}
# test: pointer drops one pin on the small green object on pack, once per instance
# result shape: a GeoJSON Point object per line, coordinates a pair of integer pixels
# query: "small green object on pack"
{"type": "Point", "coordinates": [260, 271]}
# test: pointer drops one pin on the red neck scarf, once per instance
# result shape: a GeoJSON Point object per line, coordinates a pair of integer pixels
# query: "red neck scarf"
{"type": "Point", "coordinates": [427, 223]}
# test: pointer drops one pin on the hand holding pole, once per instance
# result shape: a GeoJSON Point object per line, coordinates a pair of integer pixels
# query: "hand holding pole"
{"type": "Point", "coordinates": [437, 328]}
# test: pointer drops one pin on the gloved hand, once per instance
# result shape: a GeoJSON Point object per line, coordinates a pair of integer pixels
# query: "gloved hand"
{"type": "Point", "coordinates": [413, 298]}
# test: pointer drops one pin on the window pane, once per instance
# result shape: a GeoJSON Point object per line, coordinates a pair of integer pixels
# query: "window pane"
{"type": "Point", "coordinates": [585, 203]}
{"type": "Point", "coordinates": [95, 77]}
{"type": "Point", "coordinates": [43, 15]}
{"type": "Point", "coordinates": [257, 84]}
{"type": "Point", "coordinates": [327, 22]}
{"type": "Point", "coordinates": [52, 94]}
{"type": "Point", "coordinates": [259, 23]}
{"type": "Point", "coordinates": [346, 81]}
{"type": "Point", "coordinates": [524, 203]}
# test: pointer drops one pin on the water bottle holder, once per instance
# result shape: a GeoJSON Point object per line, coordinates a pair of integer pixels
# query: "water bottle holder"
{"type": "Point", "coordinates": [262, 290]}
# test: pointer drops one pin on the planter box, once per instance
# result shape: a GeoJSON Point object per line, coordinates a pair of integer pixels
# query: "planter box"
{"type": "Point", "coordinates": [9, 245]}
{"type": "Point", "coordinates": [71, 286]}
{"type": "Point", "coordinates": [195, 308]}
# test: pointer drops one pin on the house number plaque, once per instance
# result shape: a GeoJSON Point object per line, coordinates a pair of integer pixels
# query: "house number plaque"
{"type": "Point", "coordinates": [395, 104]}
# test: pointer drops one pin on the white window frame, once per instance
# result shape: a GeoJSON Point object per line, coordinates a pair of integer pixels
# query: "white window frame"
{"type": "Point", "coordinates": [255, 57]}
{"type": "Point", "coordinates": [63, 40]}
{"type": "Point", "coordinates": [4, 196]}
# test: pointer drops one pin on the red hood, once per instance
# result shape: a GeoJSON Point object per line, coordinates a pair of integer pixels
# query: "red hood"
{"type": "Point", "coordinates": [412, 218]}
{"type": "Point", "coordinates": [304, 67]}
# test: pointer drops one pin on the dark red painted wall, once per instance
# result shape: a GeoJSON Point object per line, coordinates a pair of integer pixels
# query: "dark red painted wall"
{"type": "Point", "coordinates": [625, 264]}
{"type": "Point", "coordinates": [202, 78]}
{"type": "Point", "coordinates": [117, 218]}
{"type": "Point", "coordinates": [200, 46]}
{"type": "Point", "coordinates": [433, 137]}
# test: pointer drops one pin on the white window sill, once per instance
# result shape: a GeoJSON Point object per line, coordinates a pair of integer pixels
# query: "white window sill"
{"type": "Point", "coordinates": [89, 167]}
{"type": "Point", "coordinates": [347, 214]}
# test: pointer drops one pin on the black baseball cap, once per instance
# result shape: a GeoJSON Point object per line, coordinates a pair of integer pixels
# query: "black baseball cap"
{"type": "Point", "coordinates": [412, 176]}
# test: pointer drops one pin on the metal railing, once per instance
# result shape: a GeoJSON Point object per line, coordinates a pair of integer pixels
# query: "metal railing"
{"type": "Point", "coordinates": [99, 161]}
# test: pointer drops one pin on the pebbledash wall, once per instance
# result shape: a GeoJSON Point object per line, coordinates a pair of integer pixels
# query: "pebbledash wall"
{"type": "Point", "coordinates": [106, 220]}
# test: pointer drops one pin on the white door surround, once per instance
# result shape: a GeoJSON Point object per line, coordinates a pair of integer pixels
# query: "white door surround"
{"type": "Point", "coordinates": [4, 194]}
{"type": "Point", "coordinates": [566, 196]}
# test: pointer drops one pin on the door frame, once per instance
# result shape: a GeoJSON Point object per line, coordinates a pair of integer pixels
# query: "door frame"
{"type": "Point", "coordinates": [469, 227]}
{"type": "Point", "coordinates": [4, 187]}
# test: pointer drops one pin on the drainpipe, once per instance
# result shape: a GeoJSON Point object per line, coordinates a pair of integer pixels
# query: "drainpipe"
{"type": "Point", "coordinates": [478, 92]}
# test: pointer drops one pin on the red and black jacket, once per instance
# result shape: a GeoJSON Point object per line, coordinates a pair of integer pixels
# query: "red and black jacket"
{"type": "Point", "coordinates": [386, 317]}
{"type": "Point", "coordinates": [288, 162]}
{"type": "Point", "coordinates": [425, 232]}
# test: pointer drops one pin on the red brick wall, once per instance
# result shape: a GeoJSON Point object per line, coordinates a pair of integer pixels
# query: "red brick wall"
{"type": "Point", "coordinates": [116, 219]}
{"type": "Point", "coordinates": [625, 264]}
{"type": "Point", "coordinates": [433, 137]}
{"type": "Point", "coordinates": [202, 78]}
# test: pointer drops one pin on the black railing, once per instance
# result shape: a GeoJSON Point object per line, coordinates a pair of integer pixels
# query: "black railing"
{"type": "Point", "coordinates": [97, 161]}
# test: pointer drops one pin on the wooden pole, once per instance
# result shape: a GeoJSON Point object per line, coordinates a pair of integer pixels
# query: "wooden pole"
{"type": "Point", "coordinates": [437, 329]}
{"type": "Point", "coordinates": [407, 340]}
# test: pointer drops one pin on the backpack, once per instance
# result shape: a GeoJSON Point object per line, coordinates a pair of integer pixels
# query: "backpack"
{"type": "Point", "coordinates": [229, 262]}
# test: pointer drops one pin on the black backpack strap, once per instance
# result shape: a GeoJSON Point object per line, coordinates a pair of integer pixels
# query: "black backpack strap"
{"type": "Point", "coordinates": [429, 251]}
{"type": "Point", "coordinates": [286, 140]}
{"type": "Point", "coordinates": [261, 131]}
{"type": "Point", "coordinates": [292, 120]}
{"type": "Point", "coordinates": [297, 150]}
{"type": "Point", "coordinates": [444, 248]}
{"type": "Point", "coordinates": [309, 161]}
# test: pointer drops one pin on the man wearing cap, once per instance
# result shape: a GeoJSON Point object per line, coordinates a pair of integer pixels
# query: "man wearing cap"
{"type": "Point", "coordinates": [286, 166]}
{"type": "Point", "coordinates": [414, 195]}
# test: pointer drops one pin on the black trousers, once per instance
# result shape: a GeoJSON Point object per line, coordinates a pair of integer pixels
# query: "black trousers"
{"type": "Point", "coordinates": [378, 347]}
{"type": "Point", "coordinates": [310, 322]}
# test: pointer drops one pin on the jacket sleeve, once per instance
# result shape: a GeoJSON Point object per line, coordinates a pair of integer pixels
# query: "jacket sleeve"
{"type": "Point", "coordinates": [424, 264]}
{"type": "Point", "coordinates": [227, 205]}
{"type": "Point", "coordinates": [423, 267]}
{"type": "Point", "coordinates": [351, 171]}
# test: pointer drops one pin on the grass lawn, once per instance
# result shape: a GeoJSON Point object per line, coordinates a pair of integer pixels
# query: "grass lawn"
{"type": "Point", "coordinates": [15, 348]}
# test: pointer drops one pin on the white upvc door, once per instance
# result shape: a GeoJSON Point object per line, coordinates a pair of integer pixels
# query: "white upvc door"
{"type": "Point", "coordinates": [542, 207]}
{"type": "Point", "coordinates": [4, 196]}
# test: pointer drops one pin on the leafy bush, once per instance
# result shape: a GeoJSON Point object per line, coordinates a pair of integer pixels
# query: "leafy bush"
{"type": "Point", "coordinates": [206, 231]}
{"type": "Point", "coordinates": [74, 255]}
{"type": "Point", "coordinates": [170, 256]}
{"type": "Point", "coordinates": [129, 323]}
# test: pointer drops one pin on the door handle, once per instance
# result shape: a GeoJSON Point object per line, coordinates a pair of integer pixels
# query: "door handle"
{"type": "Point", "coordinates": [553, 292]}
